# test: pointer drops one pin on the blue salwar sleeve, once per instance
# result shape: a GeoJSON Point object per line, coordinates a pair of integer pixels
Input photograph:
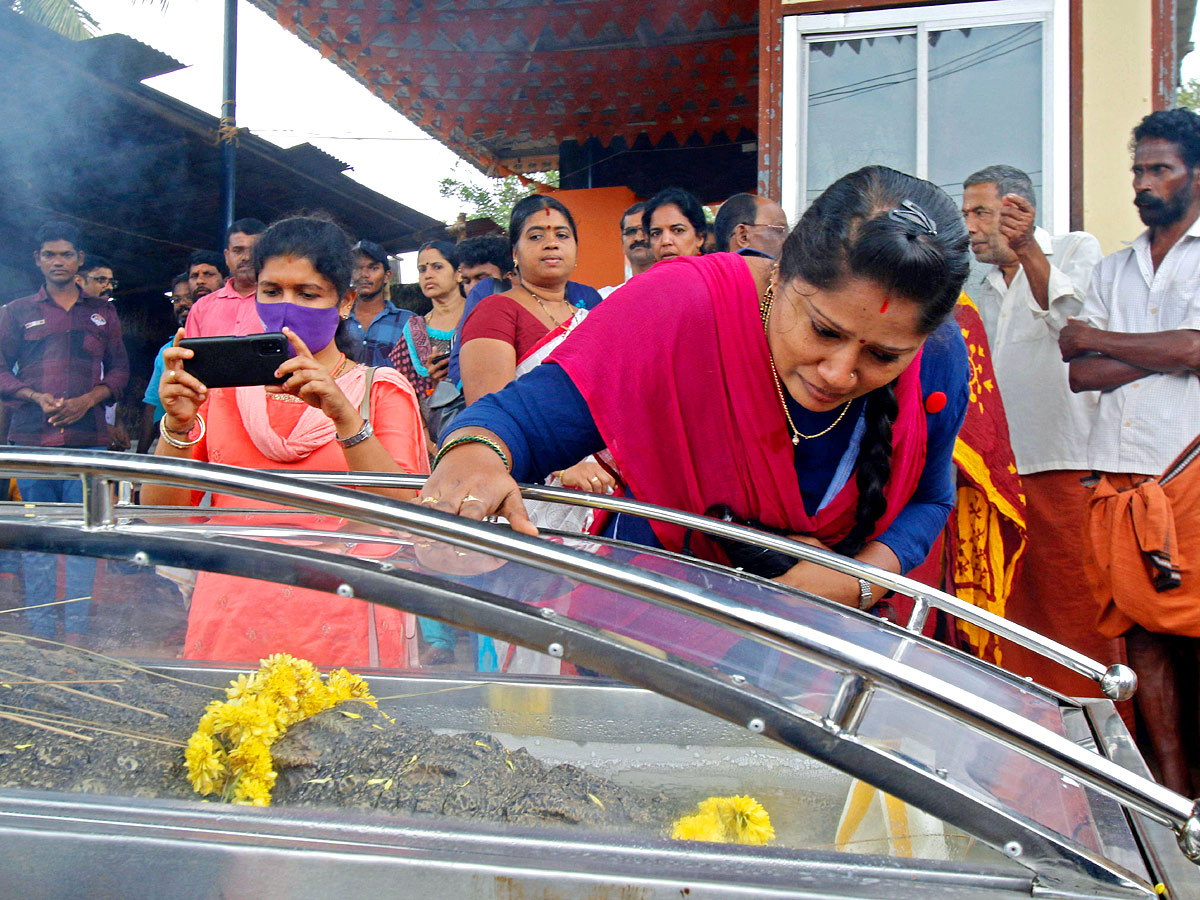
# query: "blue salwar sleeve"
{"type": "Point", "coordinates": [542, 418]}
{"type": "Point", "coordinates": [913, 532]}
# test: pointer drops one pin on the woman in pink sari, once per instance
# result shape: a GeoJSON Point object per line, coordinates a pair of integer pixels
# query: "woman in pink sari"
{"type": "Point", "coordinates": [820, 398]}
{"type": "Point", "coordinates": [316, 420]}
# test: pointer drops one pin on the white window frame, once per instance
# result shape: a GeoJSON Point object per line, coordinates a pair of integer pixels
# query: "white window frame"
{"type": "Point", "coordinates": [800, 31]}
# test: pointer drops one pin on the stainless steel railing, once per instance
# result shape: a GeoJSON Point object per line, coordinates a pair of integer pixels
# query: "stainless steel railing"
{"type": "Point", "coordinates": [99, 471]}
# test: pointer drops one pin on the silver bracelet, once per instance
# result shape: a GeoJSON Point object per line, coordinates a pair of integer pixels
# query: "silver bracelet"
{"type": "Point", "coordinates": [167, 434]}
{"type": "Point", "coordinates": [363, 433]}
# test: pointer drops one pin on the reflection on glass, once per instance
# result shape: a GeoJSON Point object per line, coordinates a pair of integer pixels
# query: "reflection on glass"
{"type": "Point", "coordinates": [985, 102]}
{"type": "Point", "coordinates": [862, 97]}
{"type": "Point", "coordinates": [983, 766]}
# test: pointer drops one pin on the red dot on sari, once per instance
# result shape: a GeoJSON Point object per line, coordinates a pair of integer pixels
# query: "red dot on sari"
{"type": "Point", "coordinates": [935, 402]}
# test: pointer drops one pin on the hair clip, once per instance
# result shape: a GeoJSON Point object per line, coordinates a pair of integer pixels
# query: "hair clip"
{"type": "Point", "coordinates": [912, 214]}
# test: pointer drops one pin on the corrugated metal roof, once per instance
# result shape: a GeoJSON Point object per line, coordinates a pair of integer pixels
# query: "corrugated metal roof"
{"type": "Point", "coordinates": [504, 82]}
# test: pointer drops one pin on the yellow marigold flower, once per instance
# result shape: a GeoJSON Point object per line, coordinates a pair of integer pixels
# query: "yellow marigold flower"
{"type": "Point", "coordinates": [252, 759]}
{"type": "Point", "coordinates": [738, 819]}
{"type": "Point", "coordinates": [252, 792]}
{"type": "Point", "coordinates": [205, 764]}
{"type": "Point", "coordinates": [349, 687]}
{"type": "Point", "coordinates": [698, 828]}
{"type": "Point", "coordinates": [252, 716]}
{"type": "Point", "coordinates": [258, 709]}
{"type": "Point", "coordinates": [238, 687]}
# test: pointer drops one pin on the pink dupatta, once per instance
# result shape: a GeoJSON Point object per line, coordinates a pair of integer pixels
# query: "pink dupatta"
{"type": "Point", "coordinates": [674, 369]}
{"type": "Point", "coordinates": [313, 429]}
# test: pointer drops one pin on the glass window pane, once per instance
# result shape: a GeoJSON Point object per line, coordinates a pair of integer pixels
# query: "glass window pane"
{"type": "Point", "coordinates": [985, 102]}
{"type": "Point", "coordinates": [862, 101]}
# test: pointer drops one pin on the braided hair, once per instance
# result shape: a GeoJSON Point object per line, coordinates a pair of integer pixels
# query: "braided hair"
{"type": "Point", "coordinates": [907, 236]}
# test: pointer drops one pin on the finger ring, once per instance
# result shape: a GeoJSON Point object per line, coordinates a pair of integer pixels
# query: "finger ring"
{"type": "Point", "coordinates": [170, 374]}
{"type": "Point", "coordinates": [595, 479]}
{"type": "Point", "coordinates": [469, 498]}
{"type": "Point", "coordinates": [428, 500]}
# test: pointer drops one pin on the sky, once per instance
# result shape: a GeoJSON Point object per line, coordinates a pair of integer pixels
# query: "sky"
{"type": "Point", "coordinates": [287, 93]}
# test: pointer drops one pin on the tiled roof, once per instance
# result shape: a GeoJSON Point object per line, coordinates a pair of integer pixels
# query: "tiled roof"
{"type": "Point", "coordinates": [503, 82]}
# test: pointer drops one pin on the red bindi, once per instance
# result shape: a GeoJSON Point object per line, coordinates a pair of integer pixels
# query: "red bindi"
{"type": "Point", "coordinates": [862, 340]}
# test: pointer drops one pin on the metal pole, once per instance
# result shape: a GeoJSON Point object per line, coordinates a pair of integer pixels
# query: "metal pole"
{"type": "Point", "coordinates": [227, 129]}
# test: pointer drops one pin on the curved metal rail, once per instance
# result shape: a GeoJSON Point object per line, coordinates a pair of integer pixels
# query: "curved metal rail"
{"type": "Point", "coordinates": [865, 670]}
{"type": "Point", "coordinates": [1117, 681]}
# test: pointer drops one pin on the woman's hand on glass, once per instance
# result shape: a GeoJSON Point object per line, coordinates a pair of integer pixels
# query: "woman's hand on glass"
{"type": "Point", "coordinates": [472, 481]}
{"type": "Point", "coordinates": [589, 476]}
{"type": "Point", "coordinates": [180, 394]}
{"type": "Point", "coordinates": [307, 379]}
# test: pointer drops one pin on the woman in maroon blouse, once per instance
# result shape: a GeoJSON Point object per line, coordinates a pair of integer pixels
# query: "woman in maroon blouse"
{"type": "Point", "coordinates": [511, 333]}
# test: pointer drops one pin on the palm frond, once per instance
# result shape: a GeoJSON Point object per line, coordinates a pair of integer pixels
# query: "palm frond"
{"type": "Point", "coordinates": [66, 17]}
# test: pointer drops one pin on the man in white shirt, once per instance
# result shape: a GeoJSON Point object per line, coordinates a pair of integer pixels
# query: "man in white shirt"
{"type": "Point", "coordinates": [1029, 287]}
{"type": "Point", "coordinates": [635, 244]}
{"type": "Point", "coordinates": [1137, 341]}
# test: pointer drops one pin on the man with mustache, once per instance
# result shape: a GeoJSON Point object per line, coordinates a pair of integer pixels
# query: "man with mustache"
{"type": "Point", "coordinates": [1030, 285]}
{"type": "Point", "coordinates": [205, 274]}
{"type": "Point", "coordinates": [231, 309]}
{"type": "Point", "coordinates": [181, 305]}
{"type": "Point", "coordinates": [1137, 341]}
{"type": "Point", "coordinates": [96, 278]}
{"type": "Point", "coordinates": [635, 244]}
{"type": "Point", "coordinates": [376, 322]}
{"type": "Point", "coordinates": [61, 360]}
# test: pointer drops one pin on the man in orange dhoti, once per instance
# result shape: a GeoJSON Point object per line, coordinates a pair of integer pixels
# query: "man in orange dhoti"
{"type": "Point", "coordinates": [1032, 284]}
{"type": "Point", "coordinates": [1138, 343]}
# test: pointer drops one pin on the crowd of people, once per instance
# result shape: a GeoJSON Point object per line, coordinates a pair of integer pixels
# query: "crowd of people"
{"type": "Point", "coordinates": [810, 381]}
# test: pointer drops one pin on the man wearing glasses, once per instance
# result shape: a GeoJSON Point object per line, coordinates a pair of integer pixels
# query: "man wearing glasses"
{"type": "Point", "coordinates": [750, 225]}
{"type": "Point", "coordinates": [96, 278]}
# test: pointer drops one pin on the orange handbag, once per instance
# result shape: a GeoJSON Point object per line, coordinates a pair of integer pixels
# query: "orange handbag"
{"type": "Point", "coordinates": [1142, 539]}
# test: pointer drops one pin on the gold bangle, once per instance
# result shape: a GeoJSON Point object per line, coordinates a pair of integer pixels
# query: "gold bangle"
{"type": "Point", "coordinates": [175, 442]}
{"type": "Point", "coordinates": [472, 439]}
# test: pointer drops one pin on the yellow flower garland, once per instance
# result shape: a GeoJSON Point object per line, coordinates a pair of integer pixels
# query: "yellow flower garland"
{"type": "Point", "coordinates": [230, 753]}
{"type": "Point", "coordinates": [738, 820]}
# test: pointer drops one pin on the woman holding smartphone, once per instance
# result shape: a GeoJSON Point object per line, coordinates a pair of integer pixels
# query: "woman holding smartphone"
{"type": "Point", "coordinates": [422, 354]}
{"type": "Point", "coordinates": [328, 414]}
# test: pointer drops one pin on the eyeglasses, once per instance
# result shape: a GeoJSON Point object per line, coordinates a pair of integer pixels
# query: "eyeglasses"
{"type": "Point", "coordinates": [103, 279]}
{"type": "Point", "coordinates": [765, 225]}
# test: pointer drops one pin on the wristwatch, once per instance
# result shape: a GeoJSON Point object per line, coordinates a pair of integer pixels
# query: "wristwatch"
{"type": "Point", "coordinates": [363, 433]}
{"type": "Point", "coordinates": [866, 599]}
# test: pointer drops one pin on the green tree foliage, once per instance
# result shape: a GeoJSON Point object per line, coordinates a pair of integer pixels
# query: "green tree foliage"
{"type": "Point", "coordinates": [495, 199]}
{"type": "Point", "coordinates": [1189, 95]}
{"type": "Point", "coordinates": [66, 17]}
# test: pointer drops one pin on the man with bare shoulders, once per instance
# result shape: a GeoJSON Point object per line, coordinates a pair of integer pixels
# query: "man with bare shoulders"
{"type": "Point", "coordinates": [1137, 341]}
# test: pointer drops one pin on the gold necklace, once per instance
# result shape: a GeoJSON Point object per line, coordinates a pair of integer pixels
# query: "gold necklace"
{"type": "Point", "coordinates": [764, 310]}
{"type": "Point", "coordinates": [542, 304]}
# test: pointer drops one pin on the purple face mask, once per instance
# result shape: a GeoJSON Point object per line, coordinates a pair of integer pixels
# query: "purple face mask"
{"type": "Point", "coordinates": [315, 327]}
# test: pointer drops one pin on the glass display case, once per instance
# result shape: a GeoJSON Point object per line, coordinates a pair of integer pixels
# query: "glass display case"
{"type": "Point", "coordinates": [605, 720]}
